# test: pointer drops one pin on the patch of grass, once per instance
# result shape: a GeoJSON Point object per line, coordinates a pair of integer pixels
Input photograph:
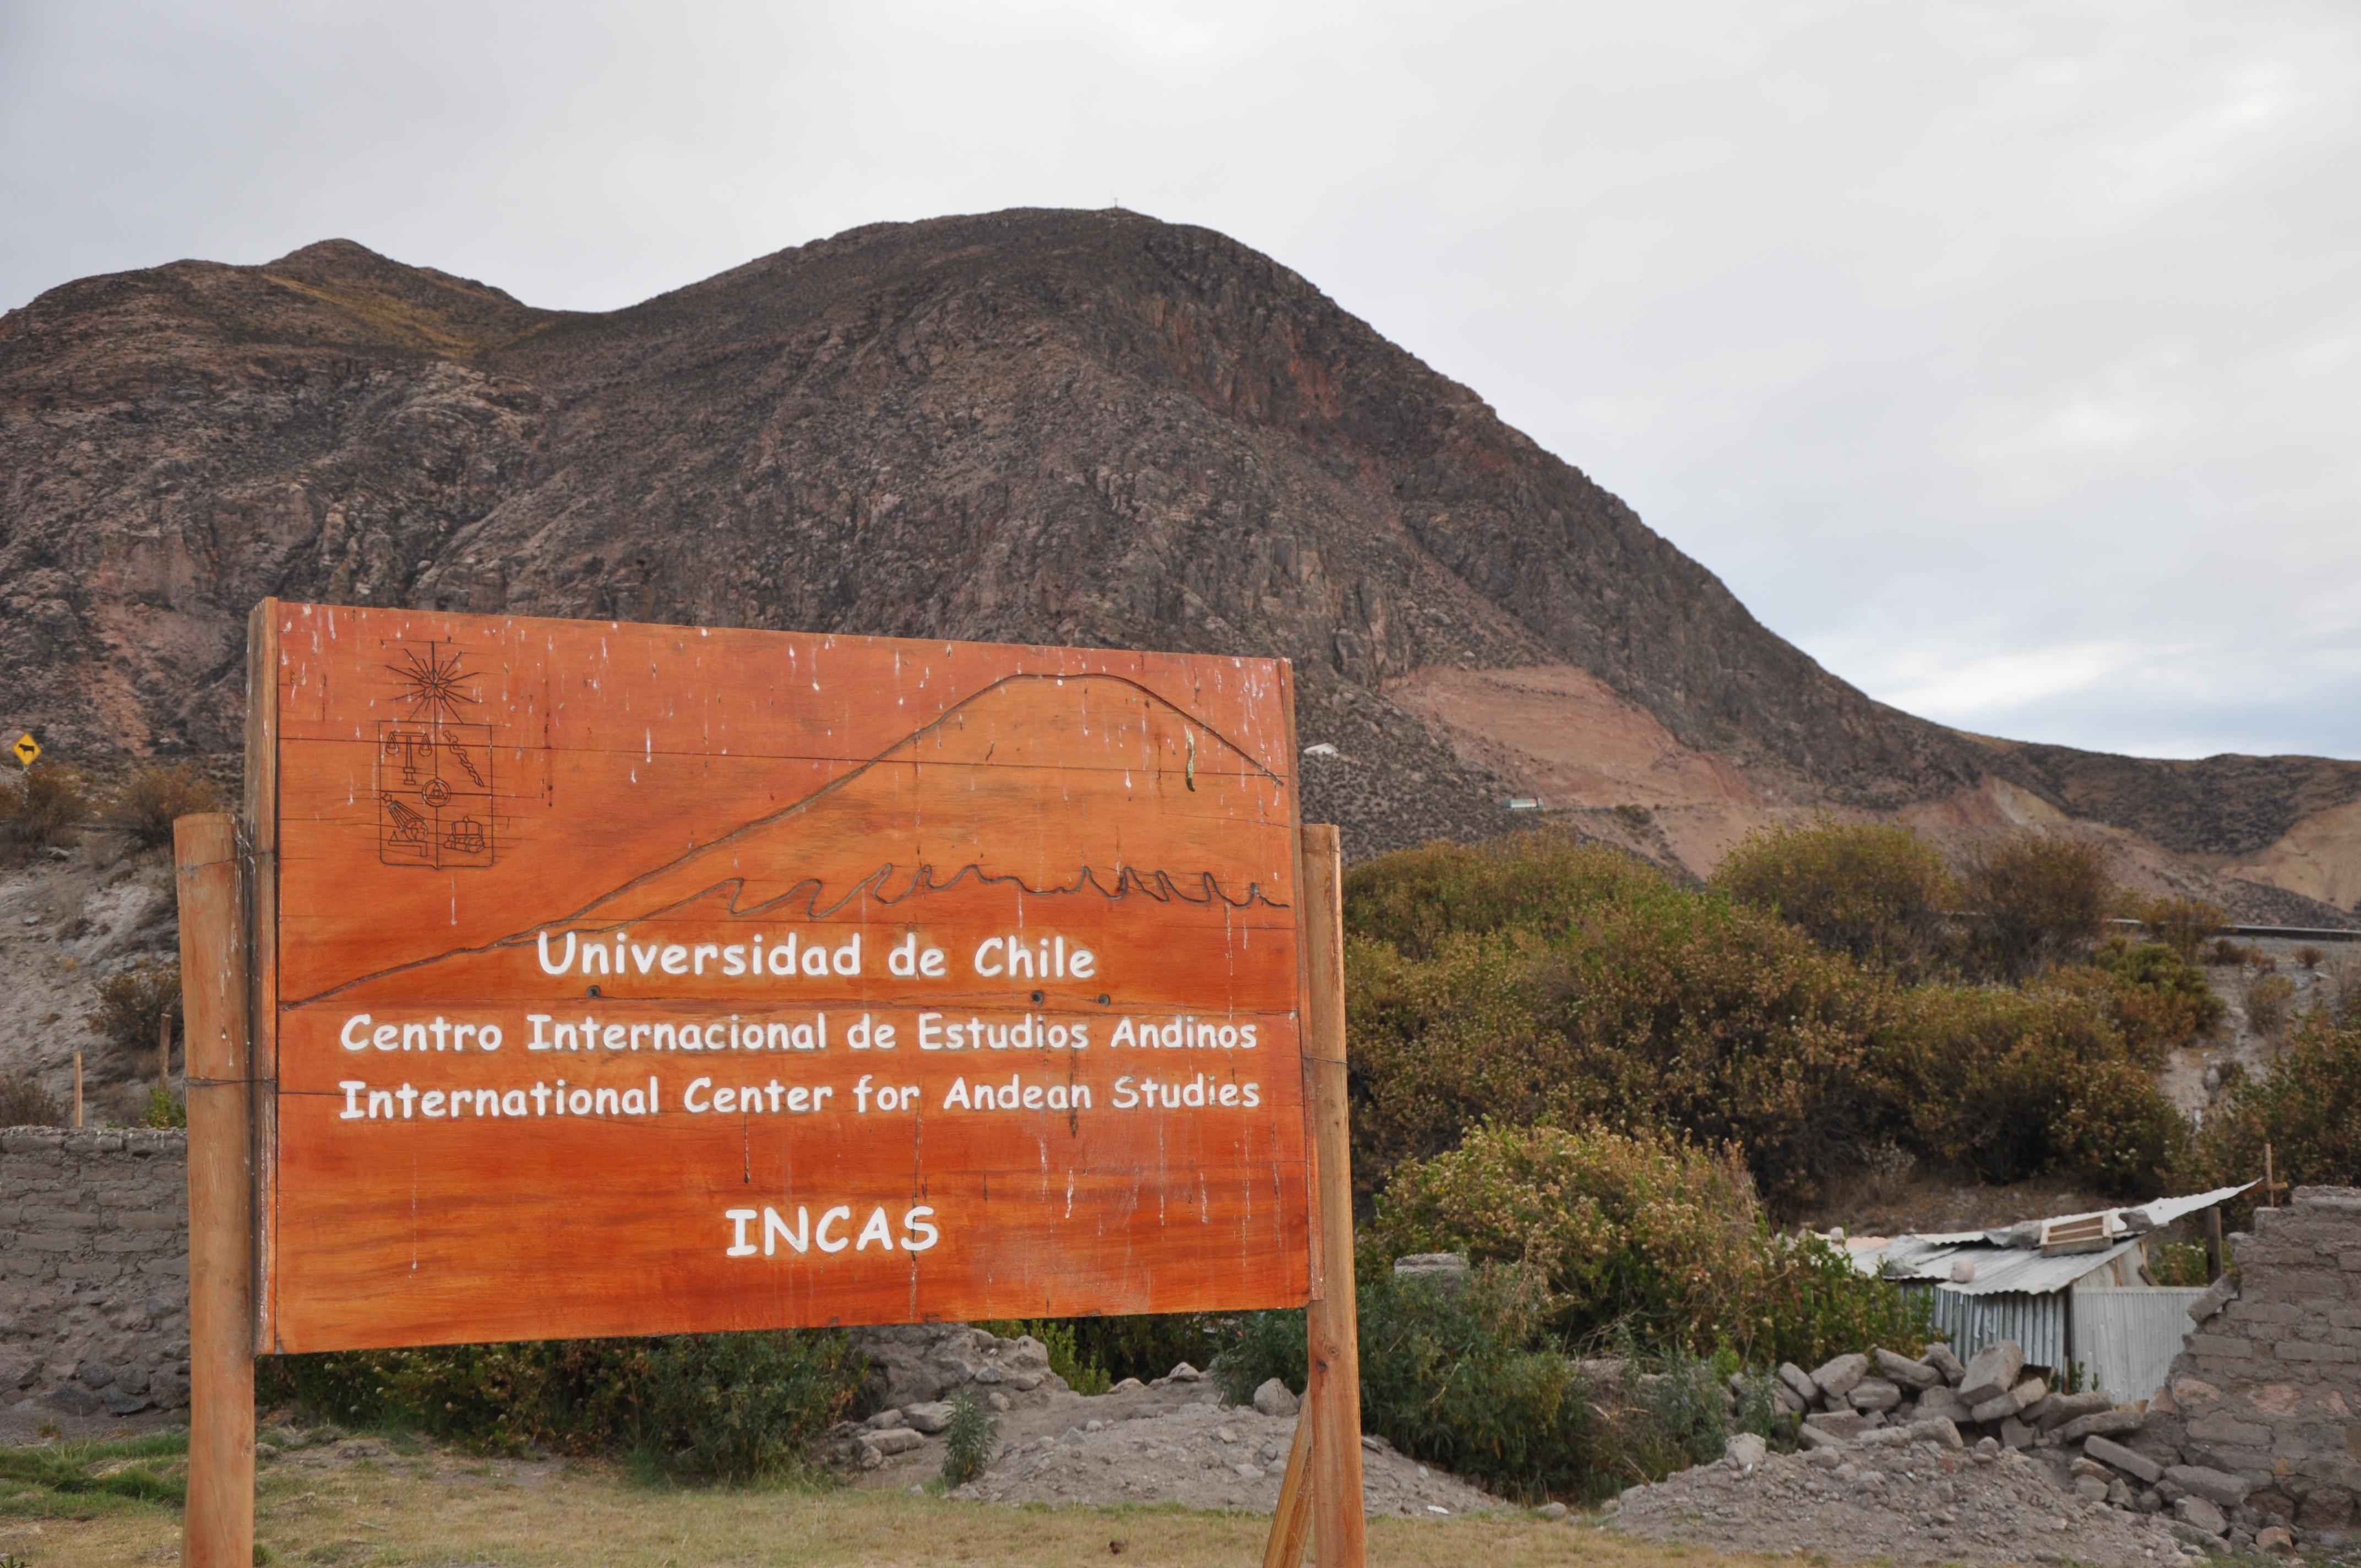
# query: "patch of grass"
{"type": "Point", "coordinates": [593, 1513]}
{"type": "Point", "coordinates": [72, 1480]}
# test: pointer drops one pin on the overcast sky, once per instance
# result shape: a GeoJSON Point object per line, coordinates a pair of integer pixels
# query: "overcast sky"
{"type": "Point", "coordinates": [2005, 357]}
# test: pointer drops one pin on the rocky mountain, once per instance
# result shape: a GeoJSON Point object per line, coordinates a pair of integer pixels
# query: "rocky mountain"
{"type": "Point", "coordinates": [1056, 426]}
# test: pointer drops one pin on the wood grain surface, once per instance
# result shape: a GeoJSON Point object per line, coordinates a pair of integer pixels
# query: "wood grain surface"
{"type": "Point", "coordinates": [833, 980]}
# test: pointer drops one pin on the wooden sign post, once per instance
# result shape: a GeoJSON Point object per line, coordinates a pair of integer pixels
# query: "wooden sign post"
{"type": "Point", "coordinates": [631, 980]}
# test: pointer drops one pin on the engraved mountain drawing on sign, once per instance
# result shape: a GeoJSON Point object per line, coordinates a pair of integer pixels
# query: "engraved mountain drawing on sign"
{"type": "Point", "coordinates": [944, 808]}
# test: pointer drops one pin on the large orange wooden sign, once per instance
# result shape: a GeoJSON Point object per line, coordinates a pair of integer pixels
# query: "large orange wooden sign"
{"type": "Point", "coordinates": [623, 979]}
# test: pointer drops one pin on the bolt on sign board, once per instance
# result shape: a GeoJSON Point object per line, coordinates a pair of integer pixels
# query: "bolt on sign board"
{"type": "Point", "coordinates": [623, 979]}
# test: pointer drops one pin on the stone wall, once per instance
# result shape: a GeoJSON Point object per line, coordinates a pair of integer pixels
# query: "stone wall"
{"type": "Point", "coordinates": [2268, 1389]}
{"type": "Point", "coordinates": [93, 1270]}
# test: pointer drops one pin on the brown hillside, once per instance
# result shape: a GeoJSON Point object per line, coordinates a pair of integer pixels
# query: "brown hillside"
{"type": "Point", "coordinates": [1056, 426]}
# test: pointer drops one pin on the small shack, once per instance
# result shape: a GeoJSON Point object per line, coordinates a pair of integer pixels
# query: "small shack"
{"type": "Point", "coordinates": [2074, 1291]}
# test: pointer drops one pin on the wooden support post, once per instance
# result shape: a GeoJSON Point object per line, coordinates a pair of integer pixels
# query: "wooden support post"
{"type": "Point", "coordinates": [1339, 1530]}
{"type": "Point", "coordinates": [217, 1529]}
{"type": "Point", "coordinates": [164, 1051]}
{"type": "Point", "coordinates": [1290, 1522]}
{"type": "Point", "coordinates": [2212, 1243]}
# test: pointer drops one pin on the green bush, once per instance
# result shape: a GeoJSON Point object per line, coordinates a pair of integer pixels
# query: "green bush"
{"type": "Point", "coordinates": [165, 1110]}
{"type": "Point", "coordinates": [2307, 1109]}
{"type": "Point", "coordinates": [1639, 1235]}
{"type": "Point", "coordinates": [1462, 1378]}
{"type": "Point", "coordinates": [1873, 892]}
{"type": "Point", "coordinates": [1606, 994]}
{"type": "Point", "coordinates": [2159, 996]}
{"type": "Point", "coordinates": [967, 1441]}
{"type": "Point", "coordinates": [154, 798]}
{"type": "Point", "coordinates": [1470, 1379]}
{"type": "Point", "coordinates": [2036, 901]}
{"type": "Point", "coordinates": [1639, 1240]}
{"type": "Point", "coordinates": [734, 1406]}
{"type": "Point", "coordinates": [2178, 1263]}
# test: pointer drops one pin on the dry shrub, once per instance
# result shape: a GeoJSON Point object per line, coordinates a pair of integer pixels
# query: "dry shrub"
{"type": "Point", "coordinates": [2309, 956]}
{"type": "Point", "coordinates": [1614, 996]}
{"type": "Point", "coordinates": [2269, 999]}
{"type": "Point", "coordinates": [1875, 892]}
{"type": "Point", "coordinates": [2307, 1109]}
{"type": "Point", "coordinates": [156, 796]}
{"type": "Point", "coordinates": [2038, 901]}
{"type": "Point", "coordinates": [39, 807]}
{"type": "Point", "coordinates": [24, 1104]}
{"type": "Point", "coordinates": [2224, 952]}
{"type": "Point", "coordinates": [2011, 1084]}
{"type": "Point", "coordinates": [2157, 997]}
{"type": "Point", "coordinates": [132, 1005]}
{"type": "Point", "coordinates": [2184, 925]}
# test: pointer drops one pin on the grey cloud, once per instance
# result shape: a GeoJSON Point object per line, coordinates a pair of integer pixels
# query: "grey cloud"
{"type": "Point", "coordinates": [2006, 358]}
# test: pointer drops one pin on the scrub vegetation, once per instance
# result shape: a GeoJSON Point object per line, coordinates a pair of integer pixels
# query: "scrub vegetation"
{"type": "Point", "coordinates": [1614, 1092]}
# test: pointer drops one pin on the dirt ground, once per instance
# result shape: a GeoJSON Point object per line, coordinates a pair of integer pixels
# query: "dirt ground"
{"type": "Point", "coordinates": [370, 1503]}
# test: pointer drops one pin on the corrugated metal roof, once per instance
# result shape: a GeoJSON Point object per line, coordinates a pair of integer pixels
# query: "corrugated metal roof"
{"type": "Point", "coordinates": [2000, 1267]}
{"type": "Point", "coordinates": [1997, 1268]}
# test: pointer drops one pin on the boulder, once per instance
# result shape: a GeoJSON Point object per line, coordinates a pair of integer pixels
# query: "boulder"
{"type": "Point", "coordinates": [1905, 1372]}
{"type": "Point", "coordinates": [1745, 1450]}
{"type": "Point", "coordinates": [1812, 1437]}
{"type": "Point", "coordinates": [2000, 1407]}
{"type": "Point", "coordinates": [1943, 1401]}
{"type": "Point", "coordinates": [1874, 1394]}
{"type": "Point", "coordinates": [1835, 1424]}
{"type": "Point", "coordinates": [933, 1415]}
{"type": "Point", "coordinates": [2065, 1408]}
{"type": "Point", "coordinates": [2218, 1295]}
{"type": "Point", "coordinates": [1991, 1371]}
{"type": "Point", "coordinates": [2216, 1486]}
{"type": "Point", "coordinates": [2139, 1465]}
{"type": "Point", "coordinates": [1938, 1357]}
{"type": "Point", "coordinates": [1938, 1431]}
{"type": "Point", "coordinates": [2198, 1514]}
{"type": "Point", "coordinates": [1835, 1378]}
{"type": "Point", "coordinates": [2014, 1434]}
{"type": "Point", "coordinates": [2101, 1423]}
{"type": "Point", "coordinates": [1275, 1398]}
{"type": "Point", "coordinates": [1800, 1381]}
{"type": "Point", "coordinates": [892, 1440]}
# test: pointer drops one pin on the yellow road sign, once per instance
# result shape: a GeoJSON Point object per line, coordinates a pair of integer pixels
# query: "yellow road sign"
{"type": "Point", "coordinates": [28, 749]}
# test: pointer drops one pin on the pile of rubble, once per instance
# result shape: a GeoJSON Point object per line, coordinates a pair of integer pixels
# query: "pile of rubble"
{"type": "Point", "coordinates": [2094, 1444]}
{"type": "Point", "coordinates": [1904, 1494]}
{"type": "Point", "coordinates": [1171, 1441]}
